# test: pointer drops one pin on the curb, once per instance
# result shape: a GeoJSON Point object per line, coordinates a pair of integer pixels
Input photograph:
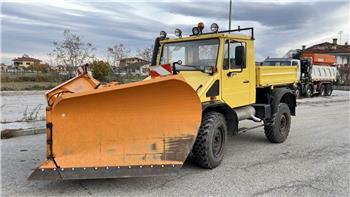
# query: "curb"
{"type": "Point", "coordinates": [10, 133]}
{"type": "Point", "coordinates": [343, 88]}
{"type": "Point", "coordinates": [321, 102]}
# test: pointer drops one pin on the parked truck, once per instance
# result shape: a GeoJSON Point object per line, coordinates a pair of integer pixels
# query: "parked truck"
{"type": "Point", "coordinates": [201, 86]}
{"type": "Point", "coordinates": [315, 73]}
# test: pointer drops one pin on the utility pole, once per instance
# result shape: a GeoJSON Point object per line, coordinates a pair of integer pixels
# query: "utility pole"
{"type": "Point", "coordinates": [230, 13]}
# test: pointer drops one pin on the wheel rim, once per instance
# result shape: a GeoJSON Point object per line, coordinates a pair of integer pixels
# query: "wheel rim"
{"type": "Point", "coordinates": [283, 123]}
{"type": "Point", "coordinates": [217, 143]}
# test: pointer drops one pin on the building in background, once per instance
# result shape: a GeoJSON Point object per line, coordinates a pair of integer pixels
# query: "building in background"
{"type": "Point", "coordinates": [25, 61]}
{"type": "Point", "coordinates": [139, 68]}
{"type": "Point", "coordinates": [126, 62]}
{"type": "Point", "coordinates": [130, 60]}
{"type": "Point", "coordinates": [131, 66]}
{"type": "Point", "coordinates": [11, 68]}
{"type": "Point", "coordinates": [341, 52]}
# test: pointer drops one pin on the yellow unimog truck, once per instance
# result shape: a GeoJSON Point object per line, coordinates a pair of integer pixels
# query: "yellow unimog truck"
{"type": "Point", "coordinates": [200, 87]}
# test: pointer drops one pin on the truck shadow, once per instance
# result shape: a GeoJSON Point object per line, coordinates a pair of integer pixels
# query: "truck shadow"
{"type": "Point", "coordinates": [236, 144]}
{"type": "Point", "coordinates": [254, 136]}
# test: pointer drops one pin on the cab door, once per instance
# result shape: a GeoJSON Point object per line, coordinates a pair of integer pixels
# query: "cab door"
{"type": "Point", "coordinates": [235, 81]}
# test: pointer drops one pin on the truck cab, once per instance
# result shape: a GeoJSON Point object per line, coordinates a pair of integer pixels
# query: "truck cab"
{"type": "Point", "coordinates": [215, 65]}
{"type": "Point", "coordinates": [220, 66]}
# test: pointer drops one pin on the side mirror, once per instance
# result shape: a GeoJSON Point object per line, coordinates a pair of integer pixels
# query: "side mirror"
{"type": "Point", "coordinates": [239, 56]}
{"type": "Point", "coordinates": [179, 62]}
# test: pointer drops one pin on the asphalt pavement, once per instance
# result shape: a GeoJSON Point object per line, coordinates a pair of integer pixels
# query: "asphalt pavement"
{"type": "Point", "coordinates": [314, 161]}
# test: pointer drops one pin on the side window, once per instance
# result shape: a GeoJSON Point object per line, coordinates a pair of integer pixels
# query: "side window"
{"type": "Point", "coordinates": [229, 55]}
{"type": "Point", "coordinates": [294, 63]}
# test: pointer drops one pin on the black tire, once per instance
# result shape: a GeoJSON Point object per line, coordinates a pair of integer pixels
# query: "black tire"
{"type": "Point", "coordinates": [322, 90]}
{"type": "Point", "coordinates": [278, 130]}
{"type": "Point", "coordinates": [329, 89]}
{"type": "Point", "coordinates": [298, 92]}
{"type": "Point", "coordinates": [208, 150]}
{"type": "Point", "coordinates": [309, 91]}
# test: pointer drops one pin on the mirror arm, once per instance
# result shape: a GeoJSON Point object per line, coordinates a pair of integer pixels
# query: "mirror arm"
{"type": "Point", "coordinates": [174, 68]}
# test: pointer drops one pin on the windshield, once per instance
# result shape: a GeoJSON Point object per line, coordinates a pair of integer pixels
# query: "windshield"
{"type": "Point", "coordinates": [193, 54]}
{"type": "Point", "coordinates": [277, 63]}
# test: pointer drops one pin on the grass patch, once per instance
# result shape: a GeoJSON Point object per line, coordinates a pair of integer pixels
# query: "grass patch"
{"type": "Point", "coordinates": [25, 85]}
{"type": "Point", "coordinates": [46, 81]}
{"type": "Point", "coordinates": [33, 77]}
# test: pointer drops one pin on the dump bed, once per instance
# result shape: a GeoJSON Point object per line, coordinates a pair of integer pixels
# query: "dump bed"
{"type": "Point", "coordinates": [276, 75]}
{"type": "Point", "coordinates": [324, 73]}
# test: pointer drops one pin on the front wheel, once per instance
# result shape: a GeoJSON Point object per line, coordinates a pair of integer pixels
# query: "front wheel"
{"type": "Point", "coordinates": [277, 131]}
{"type": "Point", "coordinates": [309, 91]}
{"type": "Point", "coordinates": [208, 150]}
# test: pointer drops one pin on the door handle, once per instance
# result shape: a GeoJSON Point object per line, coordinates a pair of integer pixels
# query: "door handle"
{"type": "Point", "coordinates": [231, 74]}
{"type": "Point", "coordinates": [246, 81]}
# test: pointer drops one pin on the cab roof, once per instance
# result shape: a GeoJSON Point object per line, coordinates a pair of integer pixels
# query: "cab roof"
{"type": "Point", "coordinates": [206, 36]}
{"type": "Point", "coordinates": [220, 34]}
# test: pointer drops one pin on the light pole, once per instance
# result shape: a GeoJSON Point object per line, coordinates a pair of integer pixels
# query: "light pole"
{"type": "Point", "coordinates": [230, 13]}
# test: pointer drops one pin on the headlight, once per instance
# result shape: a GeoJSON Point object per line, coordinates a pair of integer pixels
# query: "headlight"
{"type": "Point", "coordinates": [195, 31]}
{"type": "Point", "coordinates": [178, 33]}
{"type": "Point", "coordinates": [162, 34]}
{"type": "Point", "coordinates": [214, 27]}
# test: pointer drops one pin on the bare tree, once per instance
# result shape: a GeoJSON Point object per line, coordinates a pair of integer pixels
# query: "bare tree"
{"type": "Point", "coordinates": [51, 57]}
{"type": "Point", "coordinates": [117, 52]}
{"type": "Point", "coordinates": [72, 51]}
{"type": "Point", "coordinates": [145, 53]}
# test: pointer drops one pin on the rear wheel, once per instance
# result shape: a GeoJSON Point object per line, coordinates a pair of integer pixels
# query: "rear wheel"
{"type": "Point", "coordinates": [329, 89]}
{"type": "Point", "coordinates": [322, 90]}
{"type": "Point", "coordinates": [208, 150]}
{"type": "Point", "coordinates": [309, 91]}
{"type": "Point", "coordinates": [277, 131]}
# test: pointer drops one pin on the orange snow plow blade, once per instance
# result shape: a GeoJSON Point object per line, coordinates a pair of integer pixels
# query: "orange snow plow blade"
{"type": "Point", "coordinates": [137, 129]}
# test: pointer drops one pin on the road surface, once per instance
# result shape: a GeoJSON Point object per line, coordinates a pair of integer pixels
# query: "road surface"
{"type": "Point", "coordinates": [314, 161]}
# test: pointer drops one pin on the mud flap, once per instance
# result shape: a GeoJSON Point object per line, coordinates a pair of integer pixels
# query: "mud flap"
{"type": "Point", "coordinates": [138, 129]}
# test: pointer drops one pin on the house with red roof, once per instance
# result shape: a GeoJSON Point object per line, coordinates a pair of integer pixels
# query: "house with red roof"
{"type": "Point", "coordinates": [341, 52]}
{"type": "Point", "coordinates": [25, 61]}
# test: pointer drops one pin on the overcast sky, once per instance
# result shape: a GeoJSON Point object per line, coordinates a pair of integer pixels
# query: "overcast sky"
{"type": "Point", "coordinates": [30, 27]}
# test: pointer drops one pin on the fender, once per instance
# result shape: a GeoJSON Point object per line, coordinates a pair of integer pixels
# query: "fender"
{"type": "Point", "coordinates": [283, 95]}
{"type": "Point", "coordinates": [230, 114]}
